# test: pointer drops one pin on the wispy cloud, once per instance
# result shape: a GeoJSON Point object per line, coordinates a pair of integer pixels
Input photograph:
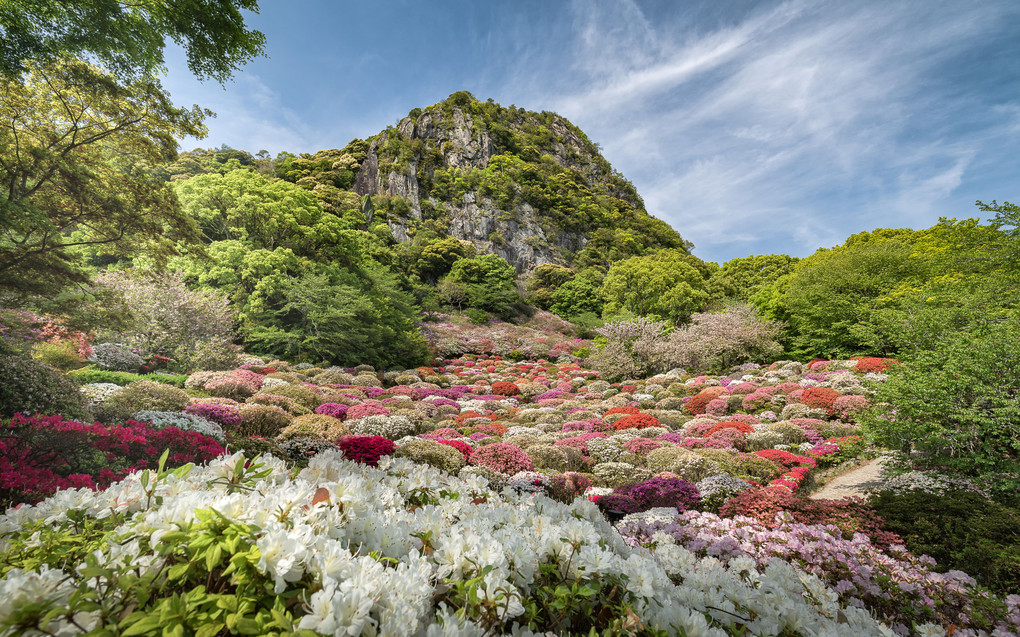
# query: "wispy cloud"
{"type": "Point", "coordinates": [795, 125]}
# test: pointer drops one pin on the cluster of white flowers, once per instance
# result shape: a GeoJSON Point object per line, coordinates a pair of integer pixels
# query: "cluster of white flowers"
{"type": "Point", "coordinates": [931, 482]}
{"type": "Point", "coordinates": [367, 511]}
{"type": "Point", "coordinates": [115, 356]}
{"type": "Point", "coordinates": [392, 427]}
{"type": "Point", "coordinates": [99, 392]}
{"type": "Point", "coordinates": [184, 422]}
{"type": "Point", "coordinates": [273, 382]}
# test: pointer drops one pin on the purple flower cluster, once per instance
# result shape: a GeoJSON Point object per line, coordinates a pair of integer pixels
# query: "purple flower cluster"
{"type": "Point", "coordinates": [899, 588]}
{"type": "Point", "coordinates": [335, 410]}
{"type": "Point", "coordinates": [225, 415]}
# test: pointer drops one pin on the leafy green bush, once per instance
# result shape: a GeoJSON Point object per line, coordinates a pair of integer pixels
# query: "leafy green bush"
{"type": "Point", "coordinates": [31, 387]}
{"type": "Point", "coordinates": [962, 530]}
{"type": "Point", "coordinates": [957, 403]}
{"type": "Point", "coordinates": [58, 354]}
{"type": "Point", "coordinates": [142, 395]}
{"type": "Point", "coordinates": [90, 374]}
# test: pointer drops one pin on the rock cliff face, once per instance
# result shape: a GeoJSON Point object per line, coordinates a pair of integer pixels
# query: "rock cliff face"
{"type": "Point", "coordinates": [529, 187]}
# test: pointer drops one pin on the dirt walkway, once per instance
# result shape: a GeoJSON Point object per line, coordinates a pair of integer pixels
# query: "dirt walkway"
{"type": "Point", "coordinates": [857, 482]}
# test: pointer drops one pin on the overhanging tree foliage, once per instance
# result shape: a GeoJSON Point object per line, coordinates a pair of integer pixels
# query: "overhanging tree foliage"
{"type": "Point", "coordinates": [128, 37]}
{"type": "Point", "coordinates": [77, 150]}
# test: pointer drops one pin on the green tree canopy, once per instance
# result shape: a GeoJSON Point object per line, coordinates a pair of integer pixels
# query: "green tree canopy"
{"type": "Point", "coordinates": [488, 282]}
{"type": "Point", "coordinates": [128, 37]}
{"type": "Point", "coordinates": [266, 213]}
{"type": "Point", "coordinates": [743, 277]}
{"type": "Point", "coordinates": [664, 284]}
{"type": "Point", "coordinates": [77, 152]}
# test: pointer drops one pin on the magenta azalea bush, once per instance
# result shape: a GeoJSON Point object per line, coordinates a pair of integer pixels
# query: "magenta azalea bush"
{"type": "Point", "coordinates": [502, 458]}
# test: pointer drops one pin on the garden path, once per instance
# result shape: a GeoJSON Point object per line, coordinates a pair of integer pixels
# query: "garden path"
{"type": "Point", "coordinates": [855, 483]}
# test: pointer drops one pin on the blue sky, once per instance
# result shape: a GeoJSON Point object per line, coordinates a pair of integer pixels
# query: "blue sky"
{"type": "Point", "coordinates": [750, 127]}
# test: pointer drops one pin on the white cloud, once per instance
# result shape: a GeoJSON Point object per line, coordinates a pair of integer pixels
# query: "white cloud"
{"type": "Point", "coordinates": [795, 125]}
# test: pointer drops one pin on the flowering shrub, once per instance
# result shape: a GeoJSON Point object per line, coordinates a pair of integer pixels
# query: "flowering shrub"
{"type": "Point", "coordinates": [505, 389]}
{"type": "Point", "coordinates": [440, 456]}
{"type": "Point", "coordinates": [301, 450]}
{"type": "Point", "coordinates": [847, 407]}
{"type": "Point", "coordinates": [699, 402]}
{"type": "Point", "coordinates": [716, 490]}
{"type": "Point", "coordinates": [262, 420]}
{"type": "Point", "coordinates": [897, 587]}
{"type": "Point", "coordinates": [335, 410]}
{"type": "Point", "coordinates": [41, 454]}
{"type": "Point", "coordinates": [849, 515]}
{"type": "Point", "coordinates": [392, 427]}
{"type": "Point", "coordinates": [820, 398]}
{"type": "Point", "coordinates": [464, 448]}
{"type": "Point", "coordinates": [183, 421]}
{"type": "Point", "coordinates": [314, 426]}
{"type": "Point", "coordinates": [636, 421]}
{"type": "Point", "coordinates": [655, 492]}
{"type": "Point", "coordinates": [356, 412]}
{"type": "Point", "coordinates": [116, 357]}
{"type": "Point", "coordinates": [873, 364]}
{"type": "Point", "coordinates": [226, 415]}
{"type": "Point", "coordinates": [141, 395]}
{"type": "Point", "coordinates": [31, 387]}
{"type": "Point", "coordinates": [366, 449]}
{"type": "Point", "coordinates": [289, 405]}
{"type": "Point", "coordinates": [502, 458]}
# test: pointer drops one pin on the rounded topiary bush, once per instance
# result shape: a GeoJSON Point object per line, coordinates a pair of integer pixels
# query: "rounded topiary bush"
{"type": "Point", "coordinates": [300, 450]}
{"type": "Point", "coordinates": [391, 427]}
{"type": "Point", "coordinates": [315, 426]}
{"type": "Point", "coordinates": [266, 421]}
{"type": "Point", "coordinates": [30, 387]}
{"type": "Point", "coordinates": [116, 357]}
{"type": "Point", "coordinates": [431, 452]}
{"type": "Point", "coordinates": [299, 394]}
{"type": "Point", "coordinates": [502, 458]}
{"type": "Point", "coordinates": [285, 403]}
{"type": "Point", "coordinates": [366, 449]}
{"type": "Point", "coordinates": [142, 395]}
{"type": "Point", "coordinates": [546, 457]}
{"type": "Point", "coordinates": [183, 421]}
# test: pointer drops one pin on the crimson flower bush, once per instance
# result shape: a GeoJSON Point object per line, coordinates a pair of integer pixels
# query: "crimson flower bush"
{"type": "Point", "coordinates": [366, 449]}
{"type": "Point", "coordinates": [849, 515]}
{"type": "Point", "coordinates": [41, 454]}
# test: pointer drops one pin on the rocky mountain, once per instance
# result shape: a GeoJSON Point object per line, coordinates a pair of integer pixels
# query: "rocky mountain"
{"type": "Point", "coordinates": [529, 187]}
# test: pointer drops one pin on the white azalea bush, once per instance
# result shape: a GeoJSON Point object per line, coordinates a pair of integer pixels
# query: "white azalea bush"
{"type": "Point", "coordinates": [346, 549]}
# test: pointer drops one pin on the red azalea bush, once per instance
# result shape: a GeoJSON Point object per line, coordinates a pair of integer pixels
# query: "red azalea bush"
{"type": "Point", "coordinates": [820, 398]}
{"type": "Point", "coordinates": [623, 409]}
{"type": "Point", "coordinates": [365, 449]}
{"type": "Point", "coordinates": [699, 402]}
{"type": "Point", "coordinates": [459, 445]}
{"type": "Point", "coordinates": [505, 388]}
{"type": "Point", "coordinates": [41, 454]}
{"type": "Point", "coordinates": [567, 486]}
{"type": "Point", "coordinates": [874, 364]}
{"type": "Point", "coordinates": [849, 515]}
{"type": "Point", "coordinates": [502, 457]}
{"type": "Point", "coordinates": [742, 427]}
{"type": "Point", "coordinates": [636, 421]}
{"type": "Point", "coordinates": [786, 459]}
